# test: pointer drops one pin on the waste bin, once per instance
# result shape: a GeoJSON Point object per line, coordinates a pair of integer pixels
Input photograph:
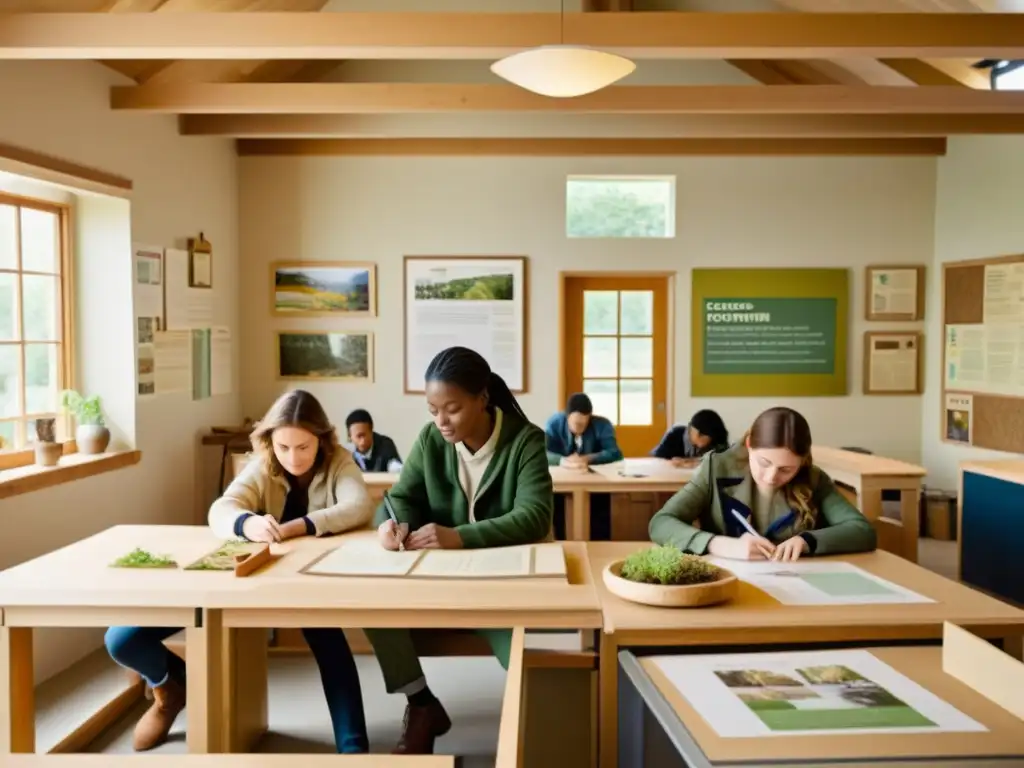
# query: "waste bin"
{"type": "Point", "coordinates": [938, 515]}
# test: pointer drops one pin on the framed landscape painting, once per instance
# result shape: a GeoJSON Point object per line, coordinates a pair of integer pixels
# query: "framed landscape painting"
{"type": "Point", "coordinates": [325, 356]}
{"type": "Point", "coordinates": [323, 288]}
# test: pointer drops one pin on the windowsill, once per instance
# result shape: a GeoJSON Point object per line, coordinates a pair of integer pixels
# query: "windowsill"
{"type": "Point", "coordinates": [75, 466]}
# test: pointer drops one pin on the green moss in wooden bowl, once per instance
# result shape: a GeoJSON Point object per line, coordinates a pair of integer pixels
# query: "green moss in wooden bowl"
{"type": "Point", "coordinates": [668, 566]}
{"type": "Point", "coordinates": [140, 558]}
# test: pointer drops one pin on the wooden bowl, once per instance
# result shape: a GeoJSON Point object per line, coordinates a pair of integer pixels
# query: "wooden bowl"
{"type": "Point", "coordinates": [676, 596]}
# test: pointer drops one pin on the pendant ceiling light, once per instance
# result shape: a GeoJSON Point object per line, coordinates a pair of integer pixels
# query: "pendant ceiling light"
{"type": "Point", "coordinates": [562, 71]}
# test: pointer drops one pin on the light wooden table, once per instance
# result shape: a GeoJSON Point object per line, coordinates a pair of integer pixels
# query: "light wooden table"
{"type": "Point", "coordinates": [867, 476]}
{"type": "Point", "coordinates": [230, 761]}
{"type": "Point", "coordinates": [225, 618]}
{"type": "Point", "coordinates": [668, 732]}
{"type": "Point", "coordinates": [755, 618]}
{"type": "Point", "coordinates": [75, 587]}
{"type": "Point", "coordinates": [279, 596]}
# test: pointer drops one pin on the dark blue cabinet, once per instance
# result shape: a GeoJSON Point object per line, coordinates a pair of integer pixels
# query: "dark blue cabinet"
{"type": "Point", "coordinates": [992, 530]}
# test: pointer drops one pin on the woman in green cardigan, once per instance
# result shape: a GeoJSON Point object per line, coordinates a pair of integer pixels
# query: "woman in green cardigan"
{"type": "Point", "coordinates": [476, 477]}
{"type": "Point", "coordinates": [767, 483]}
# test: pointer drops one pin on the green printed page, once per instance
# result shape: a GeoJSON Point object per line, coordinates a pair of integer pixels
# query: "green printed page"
{"type": "Point", "coordinates": [845, 584]}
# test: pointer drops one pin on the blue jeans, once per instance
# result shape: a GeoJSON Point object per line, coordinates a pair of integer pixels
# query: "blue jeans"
{"type": "Point", "coordinates": [141, 650]}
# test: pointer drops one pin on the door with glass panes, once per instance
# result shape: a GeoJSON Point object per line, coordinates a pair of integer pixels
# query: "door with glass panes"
{"type": "Point", "coordinates": [616, 351]}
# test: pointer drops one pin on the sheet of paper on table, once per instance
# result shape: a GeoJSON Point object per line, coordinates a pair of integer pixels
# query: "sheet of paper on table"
{"type": "Point", "coordinates": [365, 557]}
{"type": "Point", "coordinates": [805, 693]}
{"type": "Point", "coordinates": [817, 582]}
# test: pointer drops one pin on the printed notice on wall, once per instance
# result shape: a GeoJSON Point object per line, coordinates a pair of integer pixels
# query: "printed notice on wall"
{"type": "Point", "coordinates": [187, 308]}
{"type": "Point", "coordinates": [474, 303]}
{"type": "Point", "coordinates": [173, 356]}
{"type": "Point", "coordinates": [986, 358]}
{"type": "Point", "coordinates": [1004, 293]}
{"type": "Point", "coordinates": [965, 357]}
{"type": "Point", "coordinates": [220, 361]}
{"type": "Point", "coordinates": [148, 281]}
{"type": "Point", "coordinates": [751, 336]}
{"type": "Point", "coordinates": [959, 417]}
{"type": "Point", "coordinates": [894, 292]}
{"type": "Point", "coordinates": [893, 363]}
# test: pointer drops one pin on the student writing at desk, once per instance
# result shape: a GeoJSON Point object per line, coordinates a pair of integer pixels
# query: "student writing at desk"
{"type": "Point", "coordinates": [302, 483]}
{"type": "Point", "coordinates": [576, 438]}
{"type": "Point", "coordinates": [769, 483]}
{"type": "Point", "coordinates": [685, 445]}
{"type": "Point", "coordinates": [372, 451]}
{"type": "Point", "coordinates": [476, 477]}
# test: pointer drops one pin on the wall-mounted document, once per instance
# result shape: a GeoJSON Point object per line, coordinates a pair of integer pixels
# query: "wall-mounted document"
{"type": "Point", "coordinates": [366, 557]}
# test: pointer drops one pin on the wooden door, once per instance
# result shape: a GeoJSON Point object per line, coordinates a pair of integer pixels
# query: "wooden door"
{"type": "Point", "coordinates": [616, 350]}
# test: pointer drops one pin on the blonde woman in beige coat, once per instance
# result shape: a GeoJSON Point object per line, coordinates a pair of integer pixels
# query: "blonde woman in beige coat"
{"type": "Point", "coordinates": [301, 482]}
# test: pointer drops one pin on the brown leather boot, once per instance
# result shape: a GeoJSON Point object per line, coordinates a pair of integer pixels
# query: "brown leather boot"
{"type": "Point", "coordinates": [152, 729]}
{"type": "Point", "coordinates": [420, 727]}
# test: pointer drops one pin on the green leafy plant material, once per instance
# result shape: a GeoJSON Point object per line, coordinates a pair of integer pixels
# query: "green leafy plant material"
{"type": "Point", "coordinates": [86, 410]}
{"type": "Point", "coordinates": [140, 558]}
{"type": "Point", "coordinates": [668, 566]}
{"type": "Point", "coordinates": [222, 558]}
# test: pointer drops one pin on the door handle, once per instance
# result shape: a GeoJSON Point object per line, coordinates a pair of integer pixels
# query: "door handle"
{"type": "Point", "coordinates": [661, 406]}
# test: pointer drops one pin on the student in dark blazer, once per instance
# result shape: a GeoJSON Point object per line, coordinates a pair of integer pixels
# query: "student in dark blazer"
{"type": "Point", "coordinates": [770, 481]}
{"type": "Point", "coordinates": [372, 451]}
{"type": "Point", "coordinates": [685, 445]}
{"type": "Point", "coordinates": [576, 439]}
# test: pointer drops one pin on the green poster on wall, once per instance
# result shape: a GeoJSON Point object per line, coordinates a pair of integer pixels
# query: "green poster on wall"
{"type": "Point", "coordinates": [753, 336]}
{"type": "Point", "coordinates": [769, 332]}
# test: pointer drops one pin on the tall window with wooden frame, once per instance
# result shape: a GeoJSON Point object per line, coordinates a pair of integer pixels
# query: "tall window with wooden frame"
{"type": "Point", "coordinates": [34, 318]}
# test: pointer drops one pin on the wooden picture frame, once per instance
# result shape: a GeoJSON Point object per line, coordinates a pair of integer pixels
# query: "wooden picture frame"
{"type": "Point", "coordinates": [903, 343]}
{"type": "Point", "coordinates": [359, 276]}
{"type": "Point", "coordinates": [430, 282]}
{"type": "Point", "coordinates": [290, 367]}
{"type": "Point", "coordinates": [200, 262]}
{"type": "Point", "coordinates": [876, 307]}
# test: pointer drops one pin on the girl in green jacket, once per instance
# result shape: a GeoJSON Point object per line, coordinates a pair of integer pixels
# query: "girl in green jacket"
{"type": "Point", "coordinates": [766, 483]}
{"type": "Point", "coordinates": [476, 477]}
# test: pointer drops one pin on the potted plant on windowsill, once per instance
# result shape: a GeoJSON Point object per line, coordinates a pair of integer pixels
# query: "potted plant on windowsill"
{"type": "Point", "coordinates": [91, 433]}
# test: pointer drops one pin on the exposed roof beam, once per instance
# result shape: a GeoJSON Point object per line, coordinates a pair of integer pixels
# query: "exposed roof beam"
{"type": "Point", "coordinates": [397, 98]}
{"type": "Point", "coordinates": [598, 126]}
{"type": "Point", "coordinates": [491, 35]}
{"type": "Point", "coordinates": [921, 72]}
{"type": "Point", "coordinates": [592, 147]}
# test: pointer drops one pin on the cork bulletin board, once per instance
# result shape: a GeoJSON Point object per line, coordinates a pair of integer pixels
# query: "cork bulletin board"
{"type": "Point", "coordinates": [983, 353]}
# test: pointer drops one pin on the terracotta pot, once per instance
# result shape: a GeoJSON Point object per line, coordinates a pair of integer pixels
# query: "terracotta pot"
{"type": "Point", "coordinates": [92, 438]}
{"type": "Point", "coordinates": [48, 454]}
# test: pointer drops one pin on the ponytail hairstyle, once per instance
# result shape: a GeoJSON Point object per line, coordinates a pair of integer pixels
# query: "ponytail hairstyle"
{"type": "Point", "coordinates": [469, 371]}
{"type": "Point", "coordinates": [782, 427]}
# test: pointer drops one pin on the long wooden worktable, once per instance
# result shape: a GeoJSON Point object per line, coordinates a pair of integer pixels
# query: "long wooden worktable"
{"type": "Point", "coordinates": [226, 618]}
{"type": "Point", "coordinates": [754, 618]}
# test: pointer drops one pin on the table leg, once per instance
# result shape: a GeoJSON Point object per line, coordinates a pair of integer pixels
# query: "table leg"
{"type": "Point", "coordinates": [608, 701]}
{"type": "Point", "coordinates": [578, 510]}
{"type": "Point", "coordinates": [245, 689]}
{"type": "Point", "coordinates": [910, 511]}
{"type": "Point", "coordinates": [17, 691]}
{"type": "Point", "coordinates": [204, 657]}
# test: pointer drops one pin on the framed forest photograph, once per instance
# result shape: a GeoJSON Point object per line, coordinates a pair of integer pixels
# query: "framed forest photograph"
{"type": "Point", "coordinates": [324, 289]}
{"type": "Point", "coordinates": [325, 356]}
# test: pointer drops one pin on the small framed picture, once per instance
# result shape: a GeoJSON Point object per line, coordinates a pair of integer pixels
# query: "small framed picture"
{"type": "Point", "coordinates": [323, 288]}
{"type": "Point", "coordinates": [325, 356]}
{"type": "Point", "coordinates": [200, 262]}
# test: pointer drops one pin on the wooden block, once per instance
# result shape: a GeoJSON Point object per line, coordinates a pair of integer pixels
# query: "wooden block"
{"type": "Point", "coordinates": [252, 561]}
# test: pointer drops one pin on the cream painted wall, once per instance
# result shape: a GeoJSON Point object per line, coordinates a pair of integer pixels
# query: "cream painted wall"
{"type": "Point", "coordinates": [978, 215]}
{"type": "Point", "coordinates": [732, 212]}
{"type": "Point", "coordinates": [182, 186]}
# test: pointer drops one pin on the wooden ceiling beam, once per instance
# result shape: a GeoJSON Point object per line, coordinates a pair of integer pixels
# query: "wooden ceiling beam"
{"type": "Point", "coordinates": [401, 98]}
{"type": "Point", "coordinates": [598, 126]}
{"type": "Point", "coordinates": [410, 35]}
{"type": "Point", "coordinates": [592, 147]}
